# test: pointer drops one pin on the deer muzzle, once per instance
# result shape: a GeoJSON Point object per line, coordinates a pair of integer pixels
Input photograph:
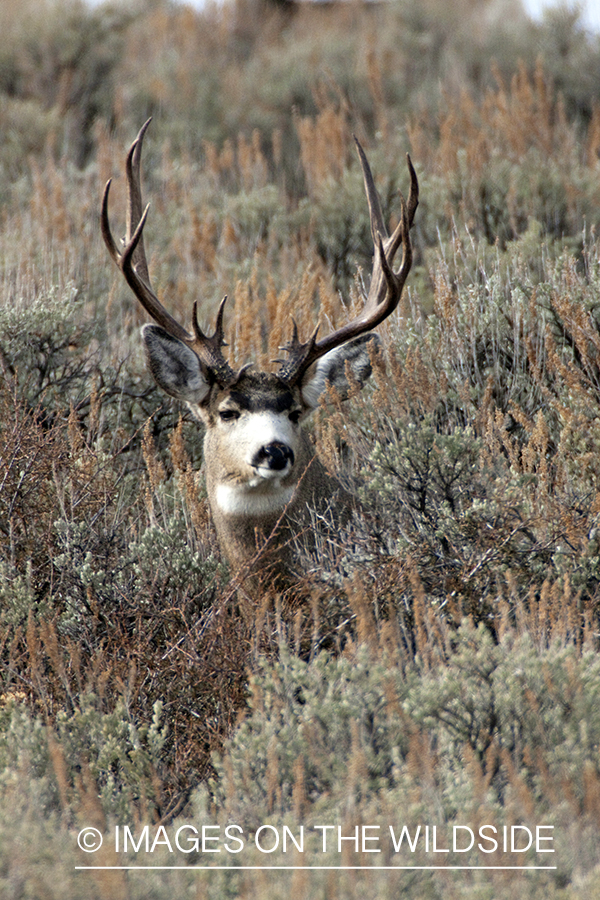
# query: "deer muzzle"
{"type": "Point", "coordinates": [273, 457]}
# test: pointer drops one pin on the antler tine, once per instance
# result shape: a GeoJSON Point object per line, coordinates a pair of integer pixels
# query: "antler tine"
{"type": "Point", "coordinates": [291, 368]}
{"type": "Point", "coordinates": [375, 214]}
{"type": "Point", "coordinates": [386, 284]}
{"type": "Point", "coordinates": [133, 264]}
{"type": "Point", "coordinates": [209, 348]}
{"type": "Point", "coordinates": [134, 199]}
{"type": "Point", "coordinates": [105, 226]}
{"type": "Point", "coordinates": [413, 201]}
{"type": "Point", "coordinates": [413, 194]}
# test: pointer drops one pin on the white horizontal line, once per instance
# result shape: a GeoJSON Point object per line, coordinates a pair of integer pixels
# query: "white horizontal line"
{"type": "Point", "coordinates": [330, 868]}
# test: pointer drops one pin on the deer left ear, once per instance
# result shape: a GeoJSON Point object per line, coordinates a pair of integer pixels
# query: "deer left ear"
{"type": "Point", "coordinates": [175, 367]}
{"type": "Point", "coordinates": [331, 369]}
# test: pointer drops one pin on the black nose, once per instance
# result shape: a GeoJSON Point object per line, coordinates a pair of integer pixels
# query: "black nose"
{"type": "Point", "coordinates": [274, 456]}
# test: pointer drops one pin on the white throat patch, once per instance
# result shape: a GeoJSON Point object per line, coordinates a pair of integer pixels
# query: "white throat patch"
{"type": "Point", "coordinates": [242, 500]}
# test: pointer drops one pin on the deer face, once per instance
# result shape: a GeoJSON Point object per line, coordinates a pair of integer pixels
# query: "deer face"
{"type": "Point", "coordinates": [255, 447]}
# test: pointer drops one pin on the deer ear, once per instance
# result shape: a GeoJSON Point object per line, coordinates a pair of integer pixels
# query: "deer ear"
{"type": "Point", "coordinates": [331, 369]}
{"type": "Point", "coordinates": [176, 368]}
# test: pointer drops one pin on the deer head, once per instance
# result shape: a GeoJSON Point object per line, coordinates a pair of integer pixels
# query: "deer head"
{"type": "Point", "coordinates": [261, 471]}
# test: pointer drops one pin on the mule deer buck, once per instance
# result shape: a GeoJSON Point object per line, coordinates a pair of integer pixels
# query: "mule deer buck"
{"type": "Point", "coordinates": [262, 474]}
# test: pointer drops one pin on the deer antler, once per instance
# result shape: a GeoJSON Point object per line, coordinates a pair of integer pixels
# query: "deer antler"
{"type": "Point", "coordinates": [132, 263]}
{"type": "Point", "coordinates": [386, 285]}
{"type": "Point", "coordinates": [383, 297]}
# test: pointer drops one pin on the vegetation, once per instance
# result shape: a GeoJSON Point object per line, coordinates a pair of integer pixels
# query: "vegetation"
{"type": "Point", "coordinates": [438, 665]}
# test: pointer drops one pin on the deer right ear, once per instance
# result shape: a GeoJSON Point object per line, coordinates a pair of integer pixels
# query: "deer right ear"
{"type": "Point", "coordinates": [331, 369]}
{"type": "Point", "coordinates": [175, 368]}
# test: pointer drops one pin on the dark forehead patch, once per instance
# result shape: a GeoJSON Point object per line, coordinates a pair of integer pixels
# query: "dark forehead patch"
{"type": "Point", "coordinates": [261, 400]}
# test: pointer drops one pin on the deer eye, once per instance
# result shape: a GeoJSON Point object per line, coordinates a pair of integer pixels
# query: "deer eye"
{"type": "Point", "coordinates": [229, 415]}
{"type": "Point", "coordinates": [294, 417]}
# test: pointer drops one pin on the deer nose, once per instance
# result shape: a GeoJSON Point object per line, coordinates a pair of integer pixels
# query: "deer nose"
{"type": "Point", "coordinates": [274, 456]}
